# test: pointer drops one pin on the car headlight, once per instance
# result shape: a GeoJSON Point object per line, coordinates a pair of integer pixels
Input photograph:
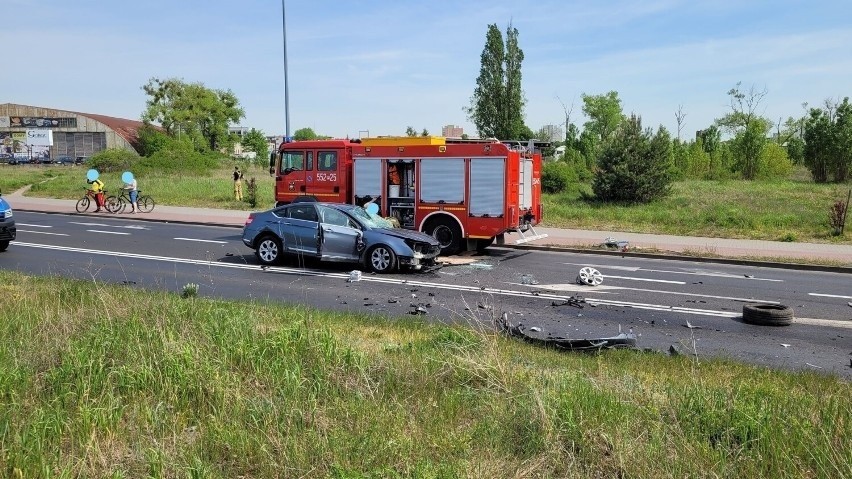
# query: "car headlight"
{"type": "Point", "coordinates": [6, 214]}
{"type": "Point", "coordinates": [415, 246]}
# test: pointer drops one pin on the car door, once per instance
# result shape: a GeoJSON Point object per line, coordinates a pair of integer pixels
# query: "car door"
{"type": "Point", "coordinates": [301, 229]}
{"type": "Point", "coordinates": [339, 236]}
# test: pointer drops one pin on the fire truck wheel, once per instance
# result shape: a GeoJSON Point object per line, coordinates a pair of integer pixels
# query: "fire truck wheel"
{"type": "Point", "coordinates": [269, 250]}
{"type": "Point", "coordinates": [381, 259]}
{"type": "Point", "coordinates": [448, 233]}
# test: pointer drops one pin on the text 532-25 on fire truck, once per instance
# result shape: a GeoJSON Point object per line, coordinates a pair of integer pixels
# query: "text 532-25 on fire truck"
{"type": "Point", "coordinates": [465, 193]}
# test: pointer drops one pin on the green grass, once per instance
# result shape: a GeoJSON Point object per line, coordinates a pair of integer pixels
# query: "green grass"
{"type": "Point", "coordinates": [214, 190]}
{"type": "Point", "coordinates": [776, 211]}
{"type": "Point", "coordinates": [792, 210]}
{"type": "Point", "coordinates": [155, 385]}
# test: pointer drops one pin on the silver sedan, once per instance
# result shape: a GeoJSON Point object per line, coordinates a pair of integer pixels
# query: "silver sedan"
{"type": "Point", "coordinates": [340, 233]}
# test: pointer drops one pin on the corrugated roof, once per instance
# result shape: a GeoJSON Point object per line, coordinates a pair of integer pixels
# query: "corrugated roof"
{"type": "Point", "coordinates": [127, 129]}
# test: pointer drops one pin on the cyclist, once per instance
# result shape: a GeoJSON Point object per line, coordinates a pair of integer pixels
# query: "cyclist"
{"type": "Point", "coordinates": [98, 189]}
{"type": "Point", "coordinates": [132, 189]}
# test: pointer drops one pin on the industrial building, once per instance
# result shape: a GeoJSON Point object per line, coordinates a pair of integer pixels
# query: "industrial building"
{"type": "Point", "coordinates": [38, 133]}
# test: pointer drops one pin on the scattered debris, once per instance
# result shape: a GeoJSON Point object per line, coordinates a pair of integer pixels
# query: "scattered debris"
{"type": "Point", "coordinates": [785, 345]}
{"type": "Point", "coordinates": [418, 309]}
{"type": "Point", "coordinates": [392, 300]}
{"type": "Point", "coordinates": [589, 276]}
{"type": "Point", "coordinates": [528, 279]}
{"type": "Point", "coordinates": [572, 301]}
{"type": "Point", "coordinates": [612, 243]}
{"type": "Point", "coordinates": [691, 326]}
{"type": "Point", "coordinates": [814, 366]}
{"type": "Point", "coordinates": [622, 340]}
{"type": "Point", "coordinates": [354, 276]}
{"type": "Point", "coordinates": [849, 304]}
{"type": "Point", "coordinates": [749, 275]}
{"type": "Point", "coordinates": [229, 254]}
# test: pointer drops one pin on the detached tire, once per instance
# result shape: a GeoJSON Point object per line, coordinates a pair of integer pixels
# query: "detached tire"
{"type": "Point", "coordinates": [767, 314]}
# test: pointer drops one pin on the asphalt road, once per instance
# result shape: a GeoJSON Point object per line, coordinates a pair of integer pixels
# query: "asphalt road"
{"type": "Point", "coordinates": [692, 306]}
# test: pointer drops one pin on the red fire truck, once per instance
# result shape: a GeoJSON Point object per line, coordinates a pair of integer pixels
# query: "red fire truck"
{"type": "Point", "coordinates": [465, 193]}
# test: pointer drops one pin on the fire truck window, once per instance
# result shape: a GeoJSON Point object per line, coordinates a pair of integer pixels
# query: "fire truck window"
{"type": "Point", "coordinates": [293, 161]}
{"type": "Point", "coordinates": [302, 212]}
{"type": "Point", "coordinates": [327, 161]}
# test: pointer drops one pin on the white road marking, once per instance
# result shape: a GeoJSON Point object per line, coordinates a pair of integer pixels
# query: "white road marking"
{"type": "Point", "coordinates": [42, 233]}
{"type": "Point", "coordinates": [408, 282]}
{"type": "Point", "coordinates": [830, 295]}
{"type": "Point", "coordinates": [694, 273]}
{"type": "Point", "coordinates": [201, 240]}
{"type": "Point", "coordinates": [575, 287]}
{"type": "Point", "coordinates": [34, 226]}
{"type": "Point", "coordinates": [127, 227]}
{"type": "Point", "coordinates": [109, 232]}
{"type": "Point", "coordinates": [645, 279]}
{"type": "Point", "coordinates": [836, 323]}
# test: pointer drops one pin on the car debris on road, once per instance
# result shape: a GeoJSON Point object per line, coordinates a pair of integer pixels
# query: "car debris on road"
{"type": "Point", "coordinates": [621, 340]}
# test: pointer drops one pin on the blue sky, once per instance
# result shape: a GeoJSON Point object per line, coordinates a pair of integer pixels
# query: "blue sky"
{"type": "Point", "coordinates": [380, 66]}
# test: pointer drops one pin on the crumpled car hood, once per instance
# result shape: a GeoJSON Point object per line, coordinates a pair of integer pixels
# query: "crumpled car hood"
{"type": "Point", "coordinates": [408, 234]}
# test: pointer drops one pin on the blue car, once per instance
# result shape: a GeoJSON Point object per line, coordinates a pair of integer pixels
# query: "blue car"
{"type": "Point", "coordinates": [340, 233]}
{"type": "Point", "coordinates": [7, 224]}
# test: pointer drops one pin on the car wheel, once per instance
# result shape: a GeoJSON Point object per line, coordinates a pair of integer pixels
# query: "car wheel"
{"type": "Point", "coordinates": [381, 259]}
{"type": "Point", "coordinates": [3, 245]}
{"type": "Point", "coordinates": [448, 233]}
{"type": "Point", "coordinates": [82, 204]}
{"type": "Point", "coordinates": [269, 250]}
{"type": "Point", "coordinates": [767, 314]}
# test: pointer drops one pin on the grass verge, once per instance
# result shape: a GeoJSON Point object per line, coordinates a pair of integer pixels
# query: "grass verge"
{"type": "Point", "coordinates": [99, 380]}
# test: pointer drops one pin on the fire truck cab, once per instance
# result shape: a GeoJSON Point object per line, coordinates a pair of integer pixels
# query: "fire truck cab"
{"type": "Point", "coordinates": [465, 193]}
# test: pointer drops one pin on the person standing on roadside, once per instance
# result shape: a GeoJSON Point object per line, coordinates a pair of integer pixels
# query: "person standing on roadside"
{"type": "Point", "coordinates": [98, 190]}
{"type": "Point", "coordinates": [238, 184]}
{"type": "Point", "coordinates": [133, 191]}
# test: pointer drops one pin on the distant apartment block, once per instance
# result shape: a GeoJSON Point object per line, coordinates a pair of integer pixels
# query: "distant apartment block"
{"type": "Point", "coordinates": [452, 131]}
{"type": "Point", "coordinates": [552, 133]}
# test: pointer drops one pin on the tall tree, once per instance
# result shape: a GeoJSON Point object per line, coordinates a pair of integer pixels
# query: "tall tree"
{"type": "Point", "coordinates": [604, 117]}
{"type": "Point", "coordinates": [496, 107]}
{"type": "Point", "coordinates": [748, 127]}
{"type": "Point", "coordinates": [255, 141]}
{"type": "Point", "coordinates": [828, 141]}
{"type": "Point", "coordinates": [191, 109]}
{"type": "Point", "coordinates": [303, 134]}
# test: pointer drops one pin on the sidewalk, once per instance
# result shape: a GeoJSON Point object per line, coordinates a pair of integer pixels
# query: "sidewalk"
{"type": "Point", "coordinates": [658, 245]}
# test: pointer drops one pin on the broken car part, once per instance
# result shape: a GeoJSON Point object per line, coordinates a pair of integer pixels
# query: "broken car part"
{"type": "Point", "coordinates": [621, 340]}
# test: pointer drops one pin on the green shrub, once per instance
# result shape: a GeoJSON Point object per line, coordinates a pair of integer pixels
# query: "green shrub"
{"type": "Point", "coordinates": [114, 159]}
{"type": "Point", "coordinates": [152, 140]}
{"type": "Point", "coordinates": [180, 156]}
{"type": "Point", "coordinates": [556, 176]}
{"type": "Point", "coordinates": [774, 162]}
{"type": "Point", "coordinates": [634, 167]}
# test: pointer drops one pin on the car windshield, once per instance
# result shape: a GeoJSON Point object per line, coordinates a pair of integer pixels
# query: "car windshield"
{"type": "Point", "coordinates": [369, 219]}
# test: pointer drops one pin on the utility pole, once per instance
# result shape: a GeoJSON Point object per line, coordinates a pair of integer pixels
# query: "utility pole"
{"type": "Point", "coordinates": [286, 86]}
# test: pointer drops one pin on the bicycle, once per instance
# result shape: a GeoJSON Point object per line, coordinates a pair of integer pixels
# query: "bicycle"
{"type": "Point", "coordinates": [89, 198]}
{"type": "Point", "coordinates": [117, 204]}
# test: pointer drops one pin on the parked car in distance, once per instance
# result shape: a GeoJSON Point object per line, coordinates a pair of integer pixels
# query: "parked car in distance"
{"type": "Point", "coordinates": [7, 224]}
{"type": "Point", "coordinates": [340, 233]}
{"type": "Point", "coordinates": [80, 160]}
{"type": "Point", "coordinates": [64, 161]}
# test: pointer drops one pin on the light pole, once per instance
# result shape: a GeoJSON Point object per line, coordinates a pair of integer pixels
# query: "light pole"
{"type": "Point", "coordinates": [286, 87]}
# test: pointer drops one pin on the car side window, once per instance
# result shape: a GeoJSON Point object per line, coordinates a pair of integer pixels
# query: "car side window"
{"type": "Point", "coordinates": [331, 216]}
{"type": "Point", "coordinates": [303, 212]}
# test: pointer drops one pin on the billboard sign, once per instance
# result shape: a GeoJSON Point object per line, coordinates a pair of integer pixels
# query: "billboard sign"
{"type": "Point", "coordinates": [39, 138]}
{"type": "Point", "coordinates": [4, 122]}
